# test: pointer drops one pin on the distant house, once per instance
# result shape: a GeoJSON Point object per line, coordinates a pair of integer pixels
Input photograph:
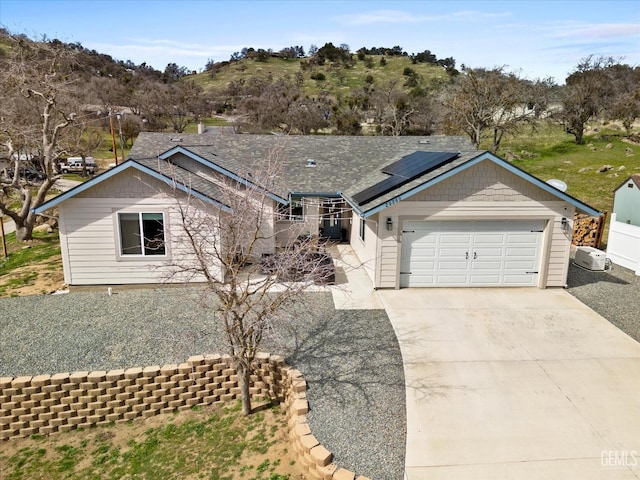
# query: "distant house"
{"type": "Point", "coordinates": [623, 244]}
{"type": "Point", "coordinates": [418, 211]}
{"type": "Point", "coordinates": [626, 201]}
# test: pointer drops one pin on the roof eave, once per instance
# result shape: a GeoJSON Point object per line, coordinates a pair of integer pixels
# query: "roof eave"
{"type": "Point", "coordinates": [118, 169]}
{"type": "Point", "coordinates": [580, 206]}
{"type": "Point", "coordinates": [194, 156]}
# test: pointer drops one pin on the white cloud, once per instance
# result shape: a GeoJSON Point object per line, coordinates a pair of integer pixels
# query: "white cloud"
{"type": "Point", "coordinates": [380, 16]}
{"type": "Point", "coordinates": [603, 30]}
{"type": "Point", "coordinates": [137, 48]}
{"type": "Point", "coordinates": [399, 16]}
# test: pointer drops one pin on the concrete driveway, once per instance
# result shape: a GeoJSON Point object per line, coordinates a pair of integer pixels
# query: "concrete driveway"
{"type": "Point", "coordinates": [515, 384]}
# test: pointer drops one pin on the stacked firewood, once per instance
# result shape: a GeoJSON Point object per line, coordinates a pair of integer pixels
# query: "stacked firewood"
{"type": "Point", "coordinates": [587, 230]}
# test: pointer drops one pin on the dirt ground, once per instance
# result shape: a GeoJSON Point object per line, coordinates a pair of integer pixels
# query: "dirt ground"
{"type": "Point", "coordinates": [49, 277]}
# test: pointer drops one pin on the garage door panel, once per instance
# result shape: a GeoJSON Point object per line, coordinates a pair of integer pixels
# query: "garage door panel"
{"type": "Point", "coordinates": [454, 238]}
{"type": "Point", "coordinates": [451, 265]}
{"type": "Point", "coordinates": [520, 252]}
{"type": "Point", "coordinates": [487, 265]}
{"type": "Point", "coordinates": [423, 256]}
{"type": "Point", "coordinates": [528, 265]}
{"type": "Point", "coordinates": [523, 238]}
{"type": "Point", "coordinates": [426, 238]}
{"type": "Point", "coordinates": [471, 253]}
{"type": "Point", "coordinates": [484, 252]}
{"type": "Point", "coordinates": [452, 280]}
{"type": "Point", "coordinates": [426, 265]}
{"type": "Point", "coordinates": [425, 280]}
{"type": "Point", "coordinates": [488, 238]}
{"type": "Point", "coordinates": [461, 253]}
{"type": "Point", "coordinates": [485, 280]}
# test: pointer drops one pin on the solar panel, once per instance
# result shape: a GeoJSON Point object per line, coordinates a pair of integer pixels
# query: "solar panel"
{"type": "Point", "coordinates": [418, 163]}
{"type": "Point", "coordinates": [403, 171]}
{"type": "Point", "coordinates": [379, 189]}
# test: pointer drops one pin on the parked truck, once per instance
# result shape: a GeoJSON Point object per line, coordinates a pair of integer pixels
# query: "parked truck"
{"type": "Point", "coordinates": [74, 165]}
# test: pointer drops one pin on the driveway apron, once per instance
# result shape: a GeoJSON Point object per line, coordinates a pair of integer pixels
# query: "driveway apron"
{"type": "Point", "coordinates": [515, 383]}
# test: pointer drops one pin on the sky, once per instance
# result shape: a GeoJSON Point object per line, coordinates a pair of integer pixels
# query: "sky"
{"type": "Point", "coordinates": [536, 39]}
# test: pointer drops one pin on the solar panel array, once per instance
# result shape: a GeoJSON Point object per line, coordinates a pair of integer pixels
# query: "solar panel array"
{"type": "Point", "coordinates": [403, 171]}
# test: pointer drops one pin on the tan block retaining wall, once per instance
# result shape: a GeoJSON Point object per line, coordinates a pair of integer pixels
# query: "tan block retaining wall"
{"type": "Point", "coordinates": [47, 404]}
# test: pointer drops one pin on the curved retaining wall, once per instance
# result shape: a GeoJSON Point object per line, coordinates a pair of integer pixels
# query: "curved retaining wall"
{"type": "Point", "coordinates": [47, 404]}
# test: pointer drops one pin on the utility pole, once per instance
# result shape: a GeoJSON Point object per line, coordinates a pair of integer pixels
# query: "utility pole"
{"type": "Point", "coordinates": [118, 115]}
{"type": "Point", "coordinates": [4, 239]}
{"type": "Point", "coordinates": [113, 139]}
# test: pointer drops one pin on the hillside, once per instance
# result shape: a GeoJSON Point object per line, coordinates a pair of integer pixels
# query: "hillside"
{"type": "Point", "coordinates": [330, 78]}
{"type": "Point", "coordinates": [370, 91]}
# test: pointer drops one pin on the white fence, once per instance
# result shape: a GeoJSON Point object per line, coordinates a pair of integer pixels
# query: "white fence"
{"type": "Point", "coordinates": [623, 245]}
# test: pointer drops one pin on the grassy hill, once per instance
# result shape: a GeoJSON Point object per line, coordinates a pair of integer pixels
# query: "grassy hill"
{"type": "Point", "coordinates": [337, 79]}
{"type": "Point", "coordinates": [551, 153]}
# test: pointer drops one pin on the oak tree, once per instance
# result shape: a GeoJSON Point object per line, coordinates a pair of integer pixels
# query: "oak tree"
{"type": "Point", "coordinates": [39, 102]}
{"type": "Point", "coordinates": [488, 103]}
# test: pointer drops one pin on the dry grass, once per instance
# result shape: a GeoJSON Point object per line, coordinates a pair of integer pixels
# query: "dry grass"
{"type": "Point", "coordinates": [202, 443]}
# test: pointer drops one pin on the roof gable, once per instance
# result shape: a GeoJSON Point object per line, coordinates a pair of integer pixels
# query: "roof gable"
{"type": "Point", "coordinates": [632, 179]}
{"type": "Point", "coordinates": [202, 155]}
{"type": "Point", "coordinates": [484, 181]}
{"type": "Point", "coordinates": [176, 179]}
{"type": "Point", "coordinates": [456, 167]}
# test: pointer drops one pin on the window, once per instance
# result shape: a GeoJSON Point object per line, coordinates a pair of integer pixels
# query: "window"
{"type": "Point", "coordinates": [362, 229]}
{"type": "Point", "coordinates": [293, 211]}
{"type": "Point", "coordinates": [142, 234]}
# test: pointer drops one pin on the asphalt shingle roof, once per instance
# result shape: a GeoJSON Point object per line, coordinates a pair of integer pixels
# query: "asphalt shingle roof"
{"type": "Point", "coordinates": [344, 165]}
{"type": "Point", "coordinates": [183, 176]}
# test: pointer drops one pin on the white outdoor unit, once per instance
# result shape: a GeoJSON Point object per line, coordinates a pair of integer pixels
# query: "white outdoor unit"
{"type": "Point", "coordinates": [590, 258]}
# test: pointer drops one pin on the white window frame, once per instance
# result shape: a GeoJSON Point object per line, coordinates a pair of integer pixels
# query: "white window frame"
{"type": "Point", "coordinates": [363, 229]}
{"type": "Point", "coordinates": [141, 256]}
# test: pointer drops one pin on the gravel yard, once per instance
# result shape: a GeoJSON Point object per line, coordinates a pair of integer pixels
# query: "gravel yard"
{"type": "Point", "coordinates": [350, 358]}
{"type": "Point", "coordinates": [614, 294]}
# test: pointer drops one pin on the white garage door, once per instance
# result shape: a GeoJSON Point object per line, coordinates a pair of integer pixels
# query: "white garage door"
{"type": "Point", "coordinates": [471, 254]}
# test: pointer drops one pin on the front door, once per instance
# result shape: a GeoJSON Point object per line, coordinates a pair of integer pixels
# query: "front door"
{"type": "Point", "coordinates": [331, 224]}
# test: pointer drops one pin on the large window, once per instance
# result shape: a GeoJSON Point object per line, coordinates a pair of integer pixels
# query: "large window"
{"type": "Point", "coordinates": [142, 234]}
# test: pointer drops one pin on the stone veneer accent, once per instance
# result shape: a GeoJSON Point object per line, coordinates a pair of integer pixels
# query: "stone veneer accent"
{"type": "Point", "coordinates": [47, 404]}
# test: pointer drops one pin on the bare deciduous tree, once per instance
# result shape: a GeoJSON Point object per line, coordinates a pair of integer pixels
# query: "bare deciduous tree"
{"type": "Point", "coordinates": [585, 94]}
{"type": "Point", "coordinates": [625, 102]}
{"type": "Point", "coordinates": [393, 108]}
{"type": "Point", "coordinates": [176, 103]}
{"type": "Point", "coordinates": [247, 286]}
{"type": "Point", "coordinates": [480, 102]}
{"type": "Point", "coordinates": [36, 86]}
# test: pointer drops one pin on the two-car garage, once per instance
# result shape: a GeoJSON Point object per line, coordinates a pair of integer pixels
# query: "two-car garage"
{"type": "Point", "coordinates": [481, 223]}
{"type": "Point", "coordinates": [471, 253]}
